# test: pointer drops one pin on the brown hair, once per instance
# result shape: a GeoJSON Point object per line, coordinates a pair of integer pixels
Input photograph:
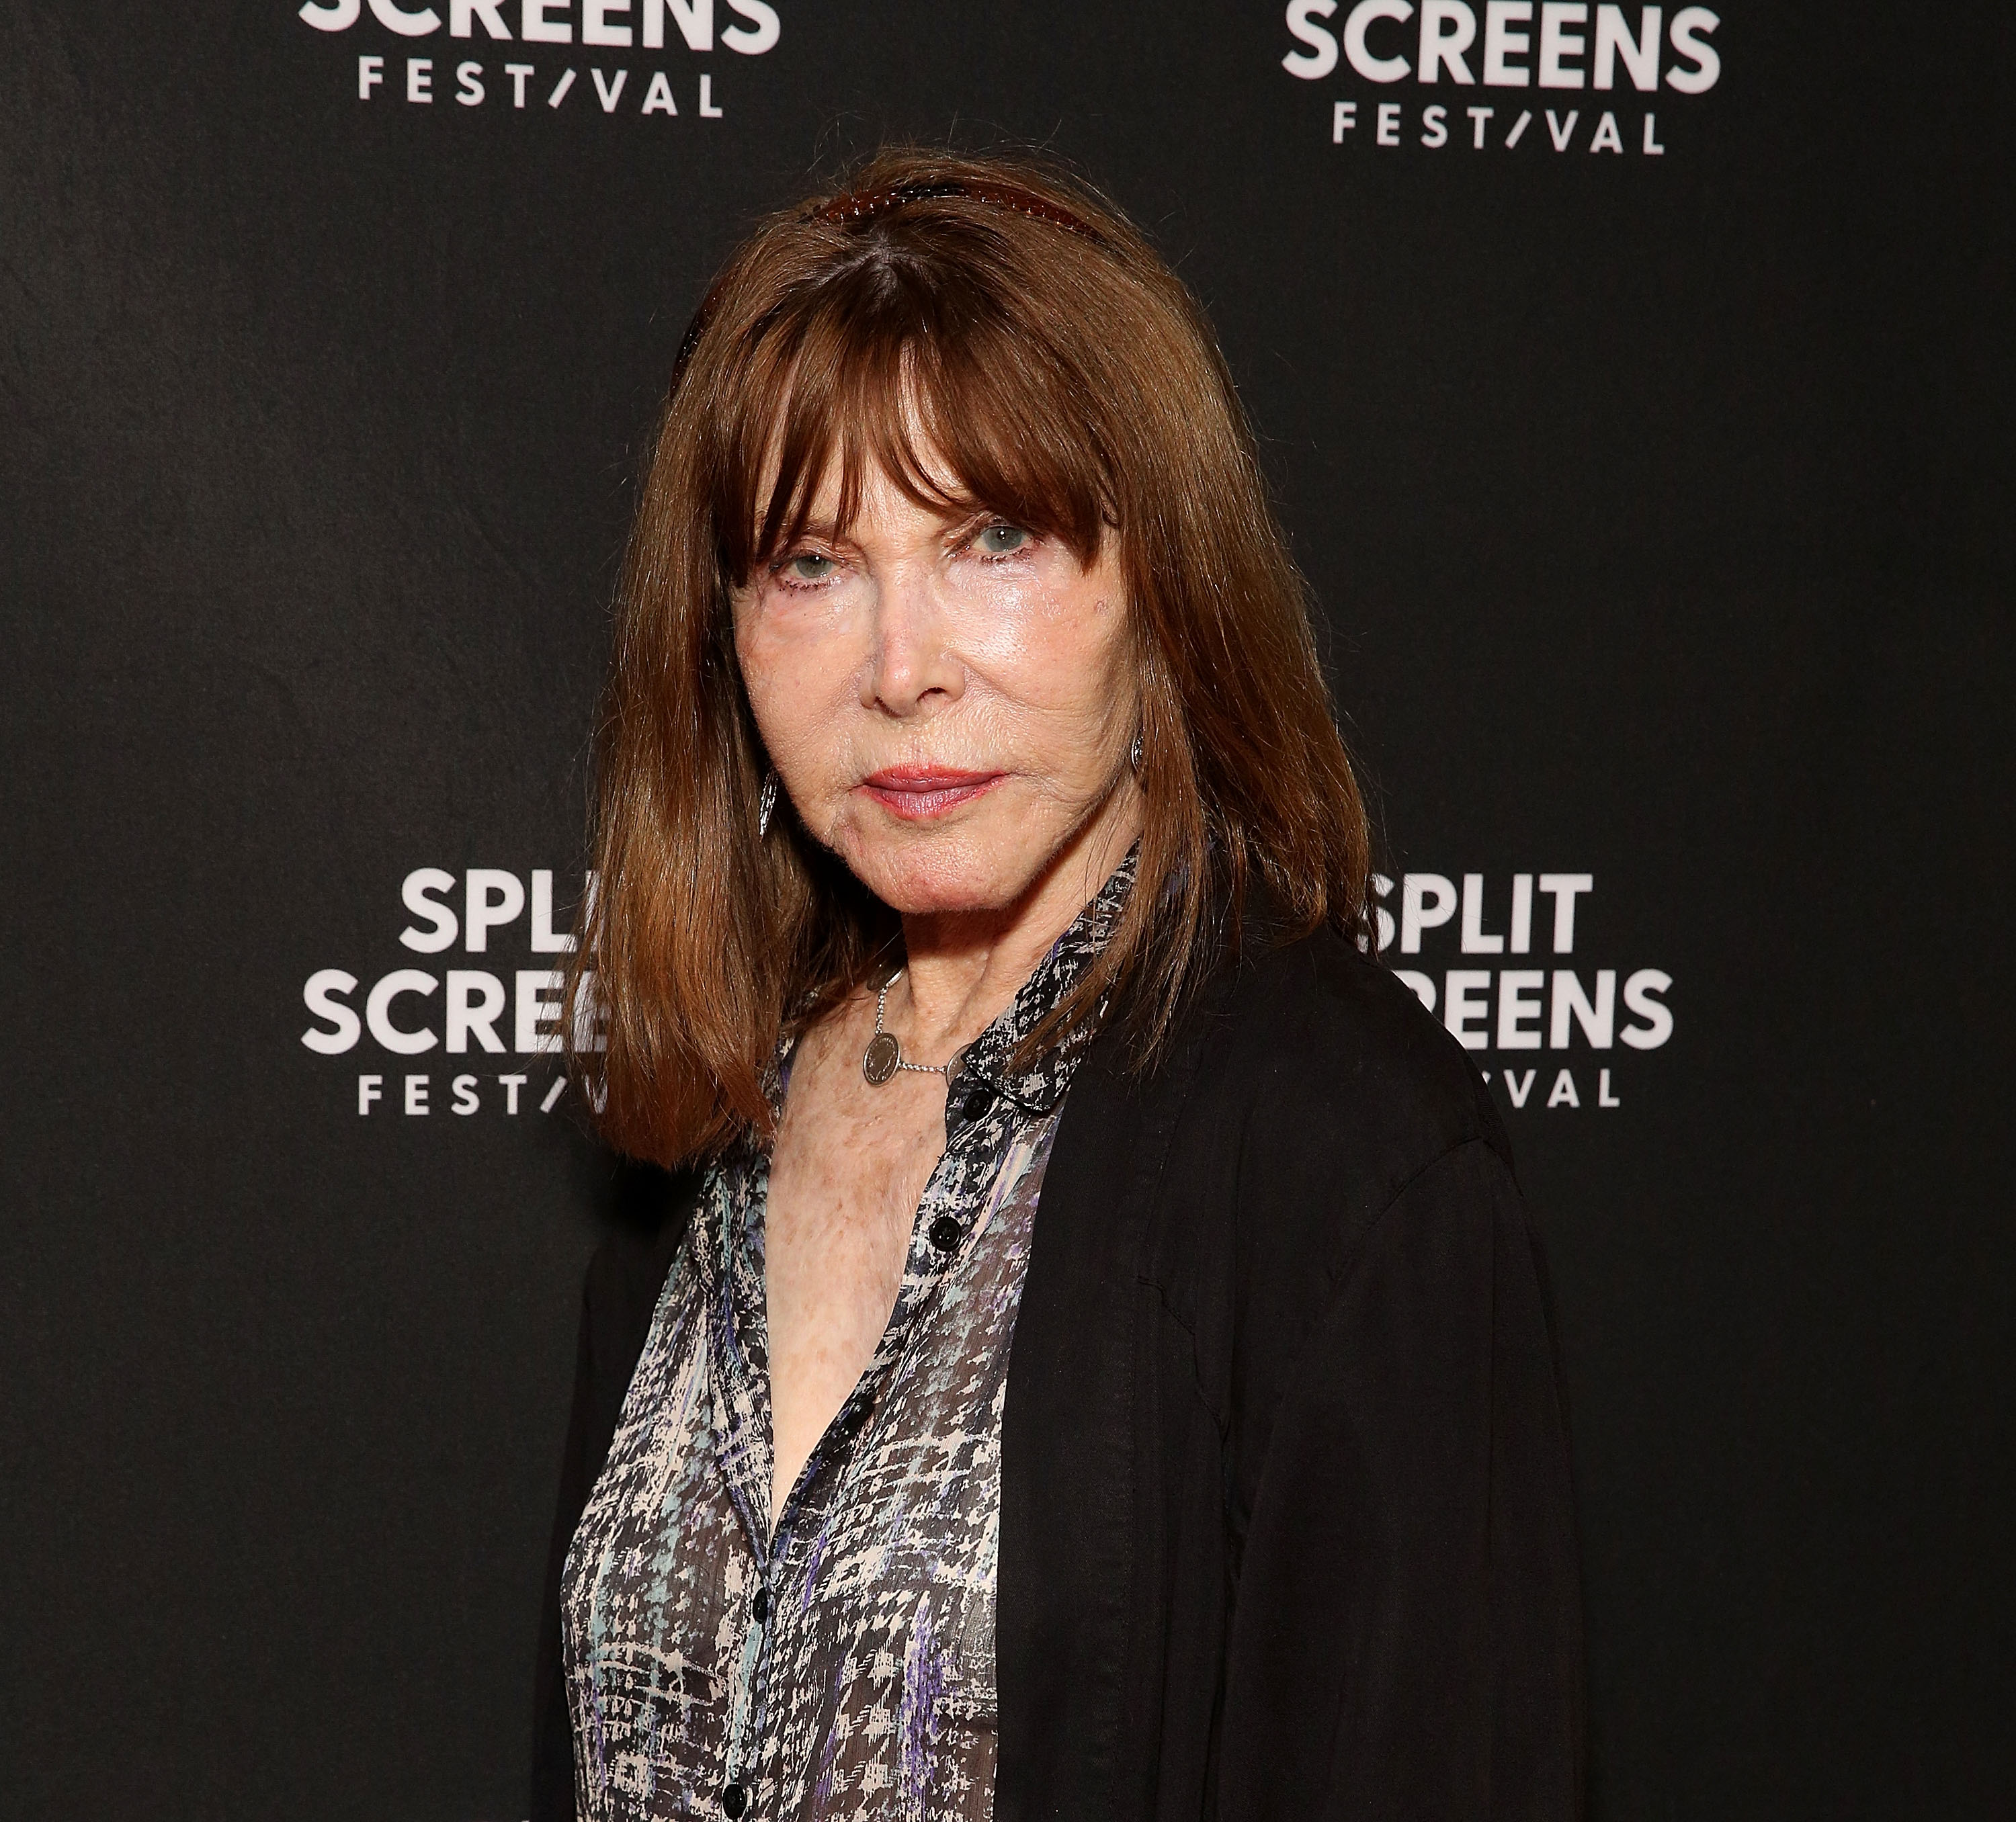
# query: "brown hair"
{"type": "Point", "coordinates": [987, 316]}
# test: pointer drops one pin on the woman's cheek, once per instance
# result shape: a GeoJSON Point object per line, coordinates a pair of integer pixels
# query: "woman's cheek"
{"type": "Point", "coordinates": [1065, 658]}
{"type": "Point", "coordinates": [1024, 631]}
{"type": "Point", "coordinates": [766, 674]}
{"type": "Point", "coordinates": [788, 707]}
{"type": "Point", "coordinates": [805, 706]}
{"type": "Point", "coordinates": [781, 640]}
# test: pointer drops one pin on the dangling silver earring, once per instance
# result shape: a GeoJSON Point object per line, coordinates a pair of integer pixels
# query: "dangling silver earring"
{"type": "Point", "coordinates": [766, 806]}
{"type": "Point", "coordinates": [1134, 753]}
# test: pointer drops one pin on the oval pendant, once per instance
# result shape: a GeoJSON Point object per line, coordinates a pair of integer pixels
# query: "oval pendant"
{"type": "Point", "coordinates": [879, 1061]}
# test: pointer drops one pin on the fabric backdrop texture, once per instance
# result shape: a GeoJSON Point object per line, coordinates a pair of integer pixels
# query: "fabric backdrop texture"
{"type": "Point", "coordinates": [1635, 386]}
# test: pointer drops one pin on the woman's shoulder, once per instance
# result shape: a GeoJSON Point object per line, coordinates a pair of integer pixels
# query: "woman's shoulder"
{"type": "Point", "coordinates": [1323, 1044]}
{"type": "Point", "coordinates": [1331, 1127]}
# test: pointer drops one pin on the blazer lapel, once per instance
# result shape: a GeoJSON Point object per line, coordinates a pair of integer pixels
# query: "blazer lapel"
{"type": "Point", "coordinates": [1065, 1576]}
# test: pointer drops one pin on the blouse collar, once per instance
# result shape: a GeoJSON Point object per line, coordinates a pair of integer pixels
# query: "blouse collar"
{"type": "Point", "coordinates": [987, 1060]}
{"type": "Point", "coordinates": [984, 1069]}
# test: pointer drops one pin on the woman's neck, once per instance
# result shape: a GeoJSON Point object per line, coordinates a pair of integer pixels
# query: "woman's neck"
{"type": "Point", "coordinates": [964, 968]}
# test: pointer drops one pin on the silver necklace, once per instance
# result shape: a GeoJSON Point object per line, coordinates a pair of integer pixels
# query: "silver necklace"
{"type": "Point", "coordinates": [883, 1056]}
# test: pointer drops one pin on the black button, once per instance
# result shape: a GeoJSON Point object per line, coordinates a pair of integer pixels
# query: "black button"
{"type": "Point", "coordinates": [978, 1099]}
{"type": "Point", "coordinates": [945, 1233]}
{"type": "Point", "coordinates": [760, 1605]}
{"type": "Point", "coordinates": [734, 1800]}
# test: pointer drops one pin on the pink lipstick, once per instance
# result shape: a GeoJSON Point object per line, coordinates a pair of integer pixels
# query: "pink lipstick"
{"type": "Point", "coordinates": [917, 793]}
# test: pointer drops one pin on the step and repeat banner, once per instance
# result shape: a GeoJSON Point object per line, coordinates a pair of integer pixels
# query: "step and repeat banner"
{"type": "Point", "coordinates": [1634, 382]}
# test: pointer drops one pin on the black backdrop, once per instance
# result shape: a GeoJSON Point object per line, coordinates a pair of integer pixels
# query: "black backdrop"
{"type": "Point", "coordinates": [1658, 504]}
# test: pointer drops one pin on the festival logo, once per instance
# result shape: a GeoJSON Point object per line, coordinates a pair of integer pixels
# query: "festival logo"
{"type": "Point", "coordinates": [1606, 75]}
{"type": "Point", "coordinates": [490, 1030]}
{"type": "Point", "coordinates": [1524, 994]}
{"type": "Point", "coordinates": [643, 59]}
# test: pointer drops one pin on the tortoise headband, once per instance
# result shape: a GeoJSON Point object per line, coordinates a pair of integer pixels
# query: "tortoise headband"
{"type": "Point", "coordinates": [862, 205]}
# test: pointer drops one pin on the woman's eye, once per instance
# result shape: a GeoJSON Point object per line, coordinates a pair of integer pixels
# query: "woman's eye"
{"type": "Point", "coordinates": [809, 566]}
{"type": "Point", "coordinates": [1001, 541]}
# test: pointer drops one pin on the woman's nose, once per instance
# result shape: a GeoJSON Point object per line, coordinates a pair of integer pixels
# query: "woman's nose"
{"type": "Point", "coordinates": [913, 663]}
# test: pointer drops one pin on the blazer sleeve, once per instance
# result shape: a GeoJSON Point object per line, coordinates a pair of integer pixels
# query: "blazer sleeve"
{"type": "Point", "coordinates": [1406, 1639]}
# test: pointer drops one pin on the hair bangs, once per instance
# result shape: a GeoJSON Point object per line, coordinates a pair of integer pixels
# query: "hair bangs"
{"type": "Point", "coordinates": [963, 411]}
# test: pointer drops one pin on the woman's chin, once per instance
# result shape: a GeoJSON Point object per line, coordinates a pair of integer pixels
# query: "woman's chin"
{"type": "Point", "coordinates": [934, 896]}
{"type": "Point", "coordinates": [941, 877]}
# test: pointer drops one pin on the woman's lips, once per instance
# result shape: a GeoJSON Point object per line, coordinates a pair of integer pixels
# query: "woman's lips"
{"type": "Point", "coordinates": [917, 793]}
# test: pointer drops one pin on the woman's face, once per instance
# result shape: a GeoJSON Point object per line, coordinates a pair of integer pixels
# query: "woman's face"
{"type": "Point", "coordinates": [948, 701]}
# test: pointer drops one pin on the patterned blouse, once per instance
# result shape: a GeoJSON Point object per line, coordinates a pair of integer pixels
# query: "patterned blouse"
{"type": "Point", "coordinates": [840, 1669]}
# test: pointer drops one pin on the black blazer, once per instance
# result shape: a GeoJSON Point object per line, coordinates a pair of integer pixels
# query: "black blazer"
{"type": "Point", "coordinates": [1286, 1524]}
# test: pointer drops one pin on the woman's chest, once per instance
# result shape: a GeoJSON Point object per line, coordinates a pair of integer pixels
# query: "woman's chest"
{"type": "Point", "coordinates": [849, 1654]}
{"type": "Point", "coordinates": [850, 1164]}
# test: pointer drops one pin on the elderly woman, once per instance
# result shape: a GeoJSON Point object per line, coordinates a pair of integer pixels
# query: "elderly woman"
{"type": "Point", "coordinates": [1094, 1360]}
